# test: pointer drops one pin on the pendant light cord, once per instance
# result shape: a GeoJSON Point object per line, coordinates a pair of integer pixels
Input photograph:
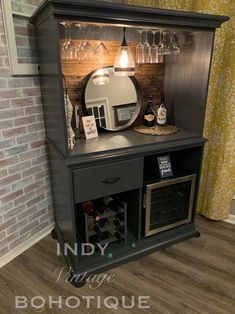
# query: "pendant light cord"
{"type": "Point", "coordinates": [124, 43]}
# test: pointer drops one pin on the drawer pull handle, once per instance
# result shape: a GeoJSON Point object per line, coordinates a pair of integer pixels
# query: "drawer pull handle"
{"type": "Point", "coordinates": [111, 180]}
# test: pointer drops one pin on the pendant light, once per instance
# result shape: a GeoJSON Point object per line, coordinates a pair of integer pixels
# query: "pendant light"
{"type": "Point", "coordinates": [124, 64]}
{"type": "Point", "coordinates": [101, 77]}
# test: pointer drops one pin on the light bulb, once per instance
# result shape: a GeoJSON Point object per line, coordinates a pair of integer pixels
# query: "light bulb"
{"type": "Point", "coordinates": [101, 77]}
{"type": "Point", "coordinates": [124, 64]}
{"type": "Point", "coordinates": [124, 57]}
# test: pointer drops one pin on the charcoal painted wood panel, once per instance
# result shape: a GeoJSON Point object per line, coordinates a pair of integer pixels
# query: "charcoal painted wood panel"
{"type": "Point", "coordinates": [186, 81]}
{"type": "Point", "coordinates": [63, 201]}
{"type": "Point", "coordinates": [119, 13]}
{"type": "Point", "coordinates": [51, 83]}
{"type": "Point", "coordinates": [107, 179]}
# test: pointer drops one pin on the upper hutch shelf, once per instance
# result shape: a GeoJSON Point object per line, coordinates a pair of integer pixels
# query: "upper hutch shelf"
{"type": "Point", "coordinates": [183, 78]}
{"type": "Point", "coordinates": [123, 14]}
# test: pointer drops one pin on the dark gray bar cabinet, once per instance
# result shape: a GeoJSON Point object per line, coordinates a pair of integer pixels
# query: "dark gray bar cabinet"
{"type": "Point", "coordinates": [124, 163]}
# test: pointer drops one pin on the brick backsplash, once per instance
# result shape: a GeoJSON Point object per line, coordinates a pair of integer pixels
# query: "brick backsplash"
{"type": "Point", "coordinates": [25, 194]}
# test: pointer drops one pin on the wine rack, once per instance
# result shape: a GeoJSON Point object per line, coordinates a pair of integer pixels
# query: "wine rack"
{"type": "Point", "coordinates": [110, 222]}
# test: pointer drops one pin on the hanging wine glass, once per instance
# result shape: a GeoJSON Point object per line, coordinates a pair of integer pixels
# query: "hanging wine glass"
{"type": "Point", "coordinates": [62, 50]}
{"type": "Point", "coordinates": [140, 49]}
{"type": "Point", "coordinates": [87, 49]}
{"type": "Point", "coordinates": [101, 49]}
{"type": "Point", "coordinates": [174, 46]}
{"type": "Point", "coordinates": [79, 45]}
{"type": "Point", "coordinates": [70, 47]}
{"type": "Point", "coordinates": [154, 49]}
{"type": "Point", "coordinates": [160, 48]}
{"type": "Point", "coordinates": [166, 49]}
{"type": "Point", "coordinates": [147, 50]}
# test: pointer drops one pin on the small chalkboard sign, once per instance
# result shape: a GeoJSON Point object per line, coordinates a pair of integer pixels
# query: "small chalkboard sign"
{"type": "Point", "coordinates": [164, 164]}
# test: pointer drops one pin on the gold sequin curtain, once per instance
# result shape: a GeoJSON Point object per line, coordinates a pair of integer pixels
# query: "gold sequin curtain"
{"type": "Point", "coordinates": [218, 173]}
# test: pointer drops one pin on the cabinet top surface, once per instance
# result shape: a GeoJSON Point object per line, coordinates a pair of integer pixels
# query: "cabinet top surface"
{"type": "Point", "coordinates": [129, 143]}
{"type": "Point", "coordinates": [125, 14]}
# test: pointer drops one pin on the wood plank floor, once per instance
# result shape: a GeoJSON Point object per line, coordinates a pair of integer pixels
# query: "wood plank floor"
{"type": "Point", "coordinates": [196, 276]}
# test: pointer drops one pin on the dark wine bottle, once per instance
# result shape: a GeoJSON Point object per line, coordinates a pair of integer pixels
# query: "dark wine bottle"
{"type": "Point", "coordinates": [120, 204]}
{"type": "Point", "coordinates": [89, 208]}
{"type": "Point", "coordinates": [100, 206]}
{"type": "Point", "coordinates": [115, 221]}
{"type": "Point", "coordinates": [161, 112]}
{"type": "Point", "coordinates": [95, 227]}
{"type": "Point", "coordinates": [115, 233]}
{"type": "Point", "coordinates": [102, 222]}
{"type": "Point", "coordinates": [149, 114]}
{"type": "Point", "coordinates": [113, 203]}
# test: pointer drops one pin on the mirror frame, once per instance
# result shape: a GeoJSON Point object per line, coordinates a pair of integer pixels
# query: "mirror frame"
{"type": "Point", "coordinates": [138, 102]}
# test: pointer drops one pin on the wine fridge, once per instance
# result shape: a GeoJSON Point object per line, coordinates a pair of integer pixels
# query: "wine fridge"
{"type": "Point", "coordinates": [168, 203]}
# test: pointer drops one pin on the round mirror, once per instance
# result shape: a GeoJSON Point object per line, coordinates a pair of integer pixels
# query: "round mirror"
{"type": "Point", "coordinates": [113, 100]}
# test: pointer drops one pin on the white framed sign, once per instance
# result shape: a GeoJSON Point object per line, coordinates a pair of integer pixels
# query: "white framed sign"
{"type": "Point", "coordinates": [16, 67]}
{"type": "Point", "coordinates": [90, 128]}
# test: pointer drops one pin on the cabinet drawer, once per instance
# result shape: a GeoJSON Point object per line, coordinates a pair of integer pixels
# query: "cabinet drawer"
{"type": "Point", "coordinates": [94, 182]}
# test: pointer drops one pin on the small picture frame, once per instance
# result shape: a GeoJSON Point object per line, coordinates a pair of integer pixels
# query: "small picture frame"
{"type": "Point", "coordinates": [123, 113]}
{"type": "Point", "coordinates": [165, 168]}
{"type": "Point", "coordinates": [90, 128]}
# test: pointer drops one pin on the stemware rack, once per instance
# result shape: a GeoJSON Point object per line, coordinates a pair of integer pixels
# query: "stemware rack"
{"type": "Point", "coordinates": [157, 41]}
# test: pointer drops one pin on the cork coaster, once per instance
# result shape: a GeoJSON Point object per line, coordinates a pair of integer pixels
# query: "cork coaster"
{"type": "Point", "coordinates": [157, 130]}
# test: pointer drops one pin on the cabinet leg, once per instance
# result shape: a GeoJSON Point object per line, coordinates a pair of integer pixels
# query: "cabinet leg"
{"type": "Point", "coordinates": [76, 282]}
{"type": "Point", "coordinates": [54, 235]}
{"type": "Point", "coordinates": [198, 235]}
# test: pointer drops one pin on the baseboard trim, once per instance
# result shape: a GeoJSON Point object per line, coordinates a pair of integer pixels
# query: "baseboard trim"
{"type": "Point", "coordinates": [25, 246]}
{"type": "Point", "coordinates": [230, 219]}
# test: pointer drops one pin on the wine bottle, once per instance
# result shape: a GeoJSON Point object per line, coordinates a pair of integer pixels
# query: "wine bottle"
{"type": "Point", "coordinates": [89, 208]}
{"type": "Point", "coordinates": [115, 221]}
{"type": "Point", "coordinates": [120, 204]}
{"type": "Point", "coordinates": [115, 233]}
{"type": "Point", "coordinates": [113, 203]}
{"type": "Point", "coordinates": [103, 222]}
{"type": "Point", "coordinates": [100, 206]}
{"type": "Point", "coordinates": [149, 114]}
{"type": "Point", "coordinates": [95, 227]}
{"type": "Point", "coordinates": [161, 112]}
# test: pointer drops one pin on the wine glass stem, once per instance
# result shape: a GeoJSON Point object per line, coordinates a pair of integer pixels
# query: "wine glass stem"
{"type": "Point", "coordinates": [154, 38]}
{"type": "Point", "coordinates": [65, 34]}
{"type": "Point", "coordinates": [140, 35]}
{"type": "Point", "coordinates": [101, 34]}
{"type": "Point", "coordinates": [69, 33]}
{"type": "Point", "coordinates": [160, 39]}
{"type": "Point", "coordinates": [146, 36]}
{"type": "Point", "coordinates": [85, 39]}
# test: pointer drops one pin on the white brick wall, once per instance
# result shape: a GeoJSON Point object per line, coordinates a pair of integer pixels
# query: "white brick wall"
{"type": "Point", "coordinates": [25, 194]}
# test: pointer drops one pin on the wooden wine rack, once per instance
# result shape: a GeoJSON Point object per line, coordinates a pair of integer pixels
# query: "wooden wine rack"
{"type": "Point", "coordinates": [87, 220]}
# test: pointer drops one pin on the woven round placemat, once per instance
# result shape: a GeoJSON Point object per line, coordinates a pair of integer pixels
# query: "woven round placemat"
{"type": "Point", "coordinates": [157, 130]}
